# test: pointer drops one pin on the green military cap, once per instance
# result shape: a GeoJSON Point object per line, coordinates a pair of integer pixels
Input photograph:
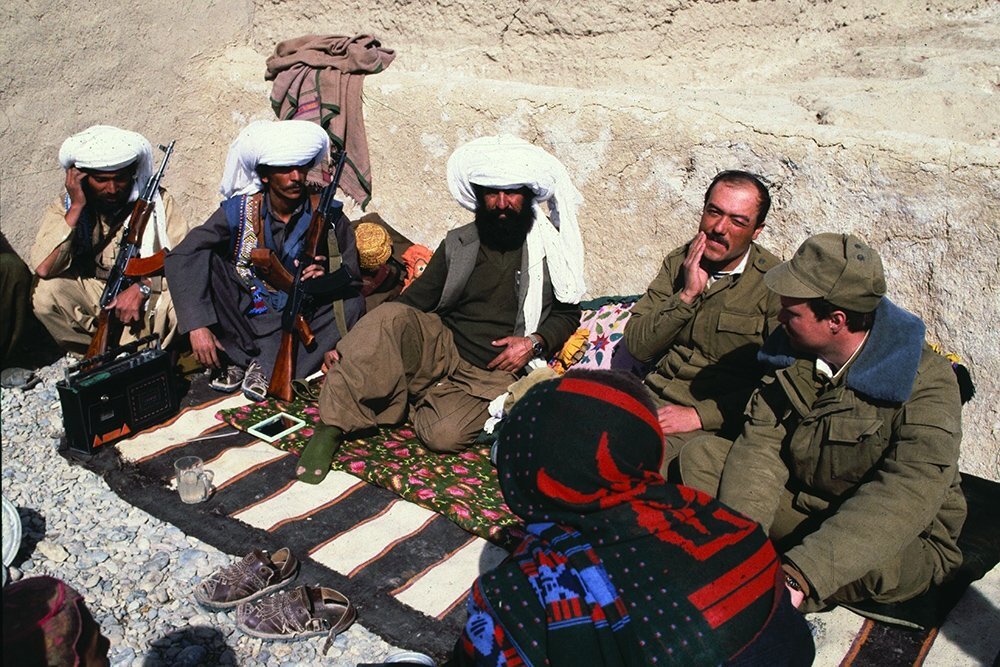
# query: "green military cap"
{"type": "Point", "coordinates": [840, 268]}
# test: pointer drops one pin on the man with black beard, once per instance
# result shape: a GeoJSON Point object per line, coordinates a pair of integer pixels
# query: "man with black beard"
{"type": "Point", "coordinates": [499, 292]}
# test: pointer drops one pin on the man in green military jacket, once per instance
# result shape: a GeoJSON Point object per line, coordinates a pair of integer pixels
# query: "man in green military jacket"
{"type": "Point", "coordinates": [705, 316]}
{"type": "Point", "coordinates": [850, 452]}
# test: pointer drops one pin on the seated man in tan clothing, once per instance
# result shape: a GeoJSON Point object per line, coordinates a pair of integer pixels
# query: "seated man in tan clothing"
{"type": "Point", "coordinates": [499, 293]}
{"type": "Point", "coordinates": [78, 237]}
{"type": "Point", "coordinates": [705, 316]}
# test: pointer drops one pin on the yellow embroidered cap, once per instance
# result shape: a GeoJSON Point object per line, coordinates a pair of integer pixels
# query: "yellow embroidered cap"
{"type": "Point", "coordinates": [374, 245]}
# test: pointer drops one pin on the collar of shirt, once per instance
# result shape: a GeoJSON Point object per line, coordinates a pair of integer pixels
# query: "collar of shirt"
{"type": "Point", "coordinates": [712, 277]}
{"type": "Point", "coordinates": [824, 369]}
{"type": "Point", "coordinates": [304, 207]}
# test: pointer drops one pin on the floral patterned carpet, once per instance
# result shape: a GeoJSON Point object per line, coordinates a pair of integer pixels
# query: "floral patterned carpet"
{"type": "Point", "coordinates": [462, 487]}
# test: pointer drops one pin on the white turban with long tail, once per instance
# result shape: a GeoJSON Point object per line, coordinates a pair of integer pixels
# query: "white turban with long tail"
{"type": "Point", "coordinates": [508, 162]}
{"type": "Point", "coordinates": [276, 143]}
{"type": "Point", "coordinates": [108, 148]}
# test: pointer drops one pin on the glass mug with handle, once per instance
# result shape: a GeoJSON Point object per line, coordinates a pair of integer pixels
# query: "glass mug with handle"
{"type": "Point", "coordinates": [194, 483]}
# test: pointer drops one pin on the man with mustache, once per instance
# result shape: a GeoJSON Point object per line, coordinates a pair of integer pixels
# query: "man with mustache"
{"type": "Point", "coordinates": [499, 292]}
{"type": "Point", "coordinates": [705, 315]}
{"type": "Point", "coordinates": [231, 314]}
{"type": "Point", "coordinates": [78, 236]}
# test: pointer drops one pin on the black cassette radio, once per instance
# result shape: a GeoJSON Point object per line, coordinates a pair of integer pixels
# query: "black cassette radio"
{"type": "Point", "coordinates": [117, 394]}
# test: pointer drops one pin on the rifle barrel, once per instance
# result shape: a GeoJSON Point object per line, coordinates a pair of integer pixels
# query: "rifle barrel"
{"type": "Point", "coordinates": [154, 182]}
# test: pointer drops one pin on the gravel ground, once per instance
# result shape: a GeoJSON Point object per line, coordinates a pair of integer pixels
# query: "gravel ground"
{"type": "Point", "coordinates": [135, 571]}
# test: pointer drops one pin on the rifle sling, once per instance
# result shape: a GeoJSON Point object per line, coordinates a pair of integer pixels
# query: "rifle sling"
{"type": "Point", "coordinates": [336, 261]}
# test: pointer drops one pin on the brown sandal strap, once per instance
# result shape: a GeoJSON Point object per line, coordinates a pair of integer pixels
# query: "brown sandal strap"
{"type": "Point", "coordinates": [345, 620]}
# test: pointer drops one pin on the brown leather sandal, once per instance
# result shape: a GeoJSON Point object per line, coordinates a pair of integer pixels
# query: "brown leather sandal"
{"type": "Point", "coordinates": [306, 611]}
{"type": "Point", "coordinates": [256, 575]}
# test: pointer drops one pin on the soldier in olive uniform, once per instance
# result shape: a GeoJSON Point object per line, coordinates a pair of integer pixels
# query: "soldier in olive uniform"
{"type": "Point", "coordinates": [705, 316]}
{"type": "Point", "coordinates": [850, 451]}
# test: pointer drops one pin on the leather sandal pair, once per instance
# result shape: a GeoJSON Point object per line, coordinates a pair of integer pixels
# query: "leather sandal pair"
{"type": "Point", "coordinates": [306, 611]}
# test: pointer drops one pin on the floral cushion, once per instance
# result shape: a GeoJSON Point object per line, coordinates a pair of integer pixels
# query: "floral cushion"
{"type": "Point", "coordinates": [605, 319]}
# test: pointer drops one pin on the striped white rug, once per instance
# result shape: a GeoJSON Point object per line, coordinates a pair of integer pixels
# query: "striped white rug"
{"type": "Point", "coordinates": [426, 564]}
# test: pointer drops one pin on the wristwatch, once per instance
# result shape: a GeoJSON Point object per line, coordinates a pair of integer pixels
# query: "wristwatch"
{"type": "Point", "coordinates": [145, 290]}
{"type": "Point", "coordinates": [537, 345]}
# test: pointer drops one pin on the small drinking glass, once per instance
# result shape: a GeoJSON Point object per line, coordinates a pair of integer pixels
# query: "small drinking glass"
{"type": "Point", "coordinates": [194, 483]}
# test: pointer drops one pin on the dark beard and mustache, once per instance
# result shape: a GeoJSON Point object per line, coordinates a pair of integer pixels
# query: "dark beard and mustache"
{"type": "Point", "coordinates": [112, 208]}
{"type": "Point", "coordinates": [507, 234]}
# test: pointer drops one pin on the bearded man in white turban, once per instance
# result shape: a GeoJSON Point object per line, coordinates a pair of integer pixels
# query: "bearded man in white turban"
{"type": "Point", "coordinates": [500, 293]}
{"type": "Point", "coordinates": [78, 236]}
{"type": "Point", "coordinates": [231, 314]}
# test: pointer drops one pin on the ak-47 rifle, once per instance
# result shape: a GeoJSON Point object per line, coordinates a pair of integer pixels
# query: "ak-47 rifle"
{"type": "Point", "coordinates": [270, 268]}
{"type": "Point", "coordinates": [129, 267]}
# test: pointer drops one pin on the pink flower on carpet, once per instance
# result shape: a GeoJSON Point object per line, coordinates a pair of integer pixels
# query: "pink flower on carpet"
{"type": "Point", "coordinates": [423, 472]}
{"type": "Point", "coordinates": [462, 512]}
{"type": "Point", "coordinates": [472, 481]}
{"type": "Point", "coordinates": [403, 452]}
{"type": "Point", "coordinates": [459, 470]}
{"type": "Point", "coordinates": [425, 494]}
{"type": "Point", "coordinates": [392, 444]}
{"type": "Point", "coordinates": [416, 481]}
{"type": "Point", "coordinates": [469, 456]}
{"type": "Point", "coordinates": [490, 514]}
{"type": "Point", "coordinates": [392, 465]}
{"type": "Point", "coordinates": [310, 410]}
{"type": "Point", "coordinates": [457, 491]}
{"type": "Point", "coordinates": [356, 466]}
{"type": "Point", "coordinates": [406, 433]}
{"type": "Point", "coordinates": [306, 432]}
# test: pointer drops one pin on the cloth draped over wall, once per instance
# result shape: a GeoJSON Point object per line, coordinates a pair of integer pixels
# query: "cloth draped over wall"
{"type": "Point", "coordinates": [320, 78]}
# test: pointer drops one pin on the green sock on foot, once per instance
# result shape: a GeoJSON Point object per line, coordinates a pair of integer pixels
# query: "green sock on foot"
{"type": "Point", "coordinates": [316, 458]}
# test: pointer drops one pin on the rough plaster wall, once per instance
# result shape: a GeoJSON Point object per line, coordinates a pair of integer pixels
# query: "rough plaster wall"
{"type": "Point", "coordinates": [880, 121]}
{"type": "Point", "coordinates": [138, 65]}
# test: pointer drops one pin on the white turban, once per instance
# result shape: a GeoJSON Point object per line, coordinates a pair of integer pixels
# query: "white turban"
{"type": "Point", "coordinates": [508, 162]}
{"type": "Point", "coordinates": [107, 148]}
{"type": "Point", "coordinates": [282, 143]}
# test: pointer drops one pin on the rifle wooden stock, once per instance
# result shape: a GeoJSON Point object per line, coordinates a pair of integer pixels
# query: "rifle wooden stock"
{"type": "Point", "coordinates": [280, 385]}
{"type": "Point", "coordinates": [137, 224]}
{"type": "Point", "coordinates": [108, 329]}
{"type": "Point", "coordinates": [271, 270]}
{"type": "Point", "coordinates": [142, 267]}
{"type": "Point", "coordinates": [305, 331]}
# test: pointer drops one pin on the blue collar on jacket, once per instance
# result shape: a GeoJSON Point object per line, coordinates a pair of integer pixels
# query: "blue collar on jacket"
{"type": "Point", "coordinates": [887, 365]}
